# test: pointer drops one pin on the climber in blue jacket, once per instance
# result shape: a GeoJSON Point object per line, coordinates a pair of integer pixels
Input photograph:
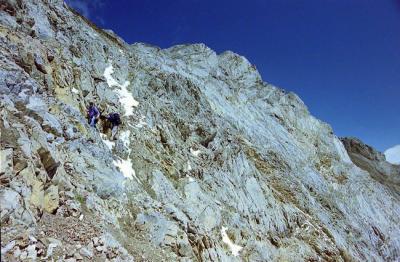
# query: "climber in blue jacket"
{"type": "Point", "coordinates": [93, 114]}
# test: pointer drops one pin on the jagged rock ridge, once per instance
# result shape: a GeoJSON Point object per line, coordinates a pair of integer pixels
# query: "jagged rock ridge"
{"type": "Point", "coordinates": [211, 164]}
{"type": "Point", "coordinates": [374, 162]}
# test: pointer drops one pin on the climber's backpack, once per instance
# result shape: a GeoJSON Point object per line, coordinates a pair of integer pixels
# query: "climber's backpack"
{"type": "Point", "coordinates": [114, 118]}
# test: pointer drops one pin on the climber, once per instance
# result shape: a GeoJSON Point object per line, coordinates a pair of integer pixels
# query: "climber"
{"type": "Point", "coordinates": [93, 114]}
{"type": "Point", "coordinates": [115, 121]}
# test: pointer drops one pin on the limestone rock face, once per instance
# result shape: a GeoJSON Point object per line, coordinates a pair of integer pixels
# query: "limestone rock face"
{"type": "Point", "coordinates": [211, 163]}
{"type": "Point", "coordinates": [374, 162]}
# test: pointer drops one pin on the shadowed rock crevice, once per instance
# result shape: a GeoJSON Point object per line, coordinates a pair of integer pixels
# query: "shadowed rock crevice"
{"type": "Point", "coordinates": [48, 162]}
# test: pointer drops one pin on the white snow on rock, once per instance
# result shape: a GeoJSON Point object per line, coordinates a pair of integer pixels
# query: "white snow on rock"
{"type": "Point", "coordinates": [341, 150]}
{"type": "Point", "coordinates": [393, 155]}
{"type": "Point", "coordinates": [235, 249]}
{"type": "Point", "coordinates": [195, 152]}
{"type": "Point", "coordinates": [127, 100]}
{"type": "Point", "coordinates": [125, 97]}
{"type": "Point", "coordinates": [8, 247]}
{"type": "Point", "coordinates": [125, 166]}
{"type": "Point", "coordinates": [108, 143]}
{"type": "Point", "coordinates": [125, 137]}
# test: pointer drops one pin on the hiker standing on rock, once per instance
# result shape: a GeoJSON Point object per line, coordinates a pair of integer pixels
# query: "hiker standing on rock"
{"type": "Point", "coordinates": [115, 121]}
{"type": "Point", "coordinates": [93, 114]}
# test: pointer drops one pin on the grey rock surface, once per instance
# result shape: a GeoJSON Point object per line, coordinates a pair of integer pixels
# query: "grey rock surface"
{"type": "Point", "coordinates": [211, 163]}
{"type": "Point", "coordinates": [374, 162]}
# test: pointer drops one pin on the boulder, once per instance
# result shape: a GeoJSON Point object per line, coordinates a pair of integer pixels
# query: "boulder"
{"type": "Point", "coordinates": [51, 199]}
{"type": "Point", "coordinates": [6, 162]}
{"type": "Point", "coordinates": [37, 196]}
{"type": "Point", "coordinates": [10, 200]}
{"type": "Point", "coordinates": [49, 163]}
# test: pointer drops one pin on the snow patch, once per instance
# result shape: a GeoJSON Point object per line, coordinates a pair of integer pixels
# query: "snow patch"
{"type": "Point", "coordinates": [127, 100]}
{"type": "Point", "coordinates": [341, 150]}
{"type": "Point", "coordinates": [233, 247]}
{"type": "Point", "coordinates": [125, 166]}
{"type": "Point", "coordinates": [108, 143]}
{"type": "Point", "coordinates": [75, 91]}
{"type": "Point", "coordinates": [393, 155]}
{"type": "Point", "coordinates": [190, 178]}
{"type": "Point", "coordinates": [125, 138]}
{"type": "Point", "coordinates": [125, 97]}
{"type": "Point", "coordinates": [195, 152]}
{"type": "Point", "coordinates": [93, 34]}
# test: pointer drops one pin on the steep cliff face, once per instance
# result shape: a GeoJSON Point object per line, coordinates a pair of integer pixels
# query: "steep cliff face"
{"type": "Point", "coordinates": [211, 163]}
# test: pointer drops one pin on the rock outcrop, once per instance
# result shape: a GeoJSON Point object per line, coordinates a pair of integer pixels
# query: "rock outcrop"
{"type": "Point", "coordinates": [211, 162]}
{"type": "Point", "coordinates": [374, 162]}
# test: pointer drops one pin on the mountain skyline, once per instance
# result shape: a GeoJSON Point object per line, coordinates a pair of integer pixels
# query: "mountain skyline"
{"type": "Point", "coordinates": [340, 57]}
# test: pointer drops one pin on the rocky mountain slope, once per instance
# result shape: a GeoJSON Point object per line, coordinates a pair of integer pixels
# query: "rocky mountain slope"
{"type": "Point", "coordinates": [211, 163]}
{"type": "Point", "coordinates": [374, 162]}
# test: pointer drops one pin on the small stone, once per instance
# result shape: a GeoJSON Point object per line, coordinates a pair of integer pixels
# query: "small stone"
{"type": "Point", "coordinates": [95, 241]}
{"type": "Point", "coordinates": [8, 247]}
{"type": "Point", "coordinates": [50, 137]}
{"type": "Point", "coordinates": [86, 252]}
{"type": "Point", "coordinates": [32, 239]}
{"type": "Point", "coordinates": [54, 241]}
{"type": "Point", "coordinates": [185, 250]}
{"type": "Point", "coordinates": [50, 249]}
{"type": "Point", "coordinates": [17, 252]}
{"type": "Point", "coordinates": [40, 64]}
{"type": "Point", "coordinates": [90, 247]}
{"type": "Point", "coordinates": [101, 240]}
{"type": "Point", "coordinates": [50, 56]}
{"type": "Point", "coordinates": [71, 252]}
{"type": "Point", "coordinates": [78, 256]}
{"type": "Point", "coordinates": [69, 194]}
{"type": "Point", "coordinates": [24, 255]}
{"type": "Point", "coordinates": [40, 252]}
{"type": "Point", "coordinates": [32, 254]}
{"type": "Point", "coordinates": [39, 245]}
{"type": "Point", "coordinates": [6, 160]}
{"type": "Point", "coordinates": [19, 164]}
{"type": "Point", "coordinates": [99, 248]}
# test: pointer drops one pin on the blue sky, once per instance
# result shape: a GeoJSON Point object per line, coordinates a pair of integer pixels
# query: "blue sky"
{"type": "Point", "coordinates": [342, 57]}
